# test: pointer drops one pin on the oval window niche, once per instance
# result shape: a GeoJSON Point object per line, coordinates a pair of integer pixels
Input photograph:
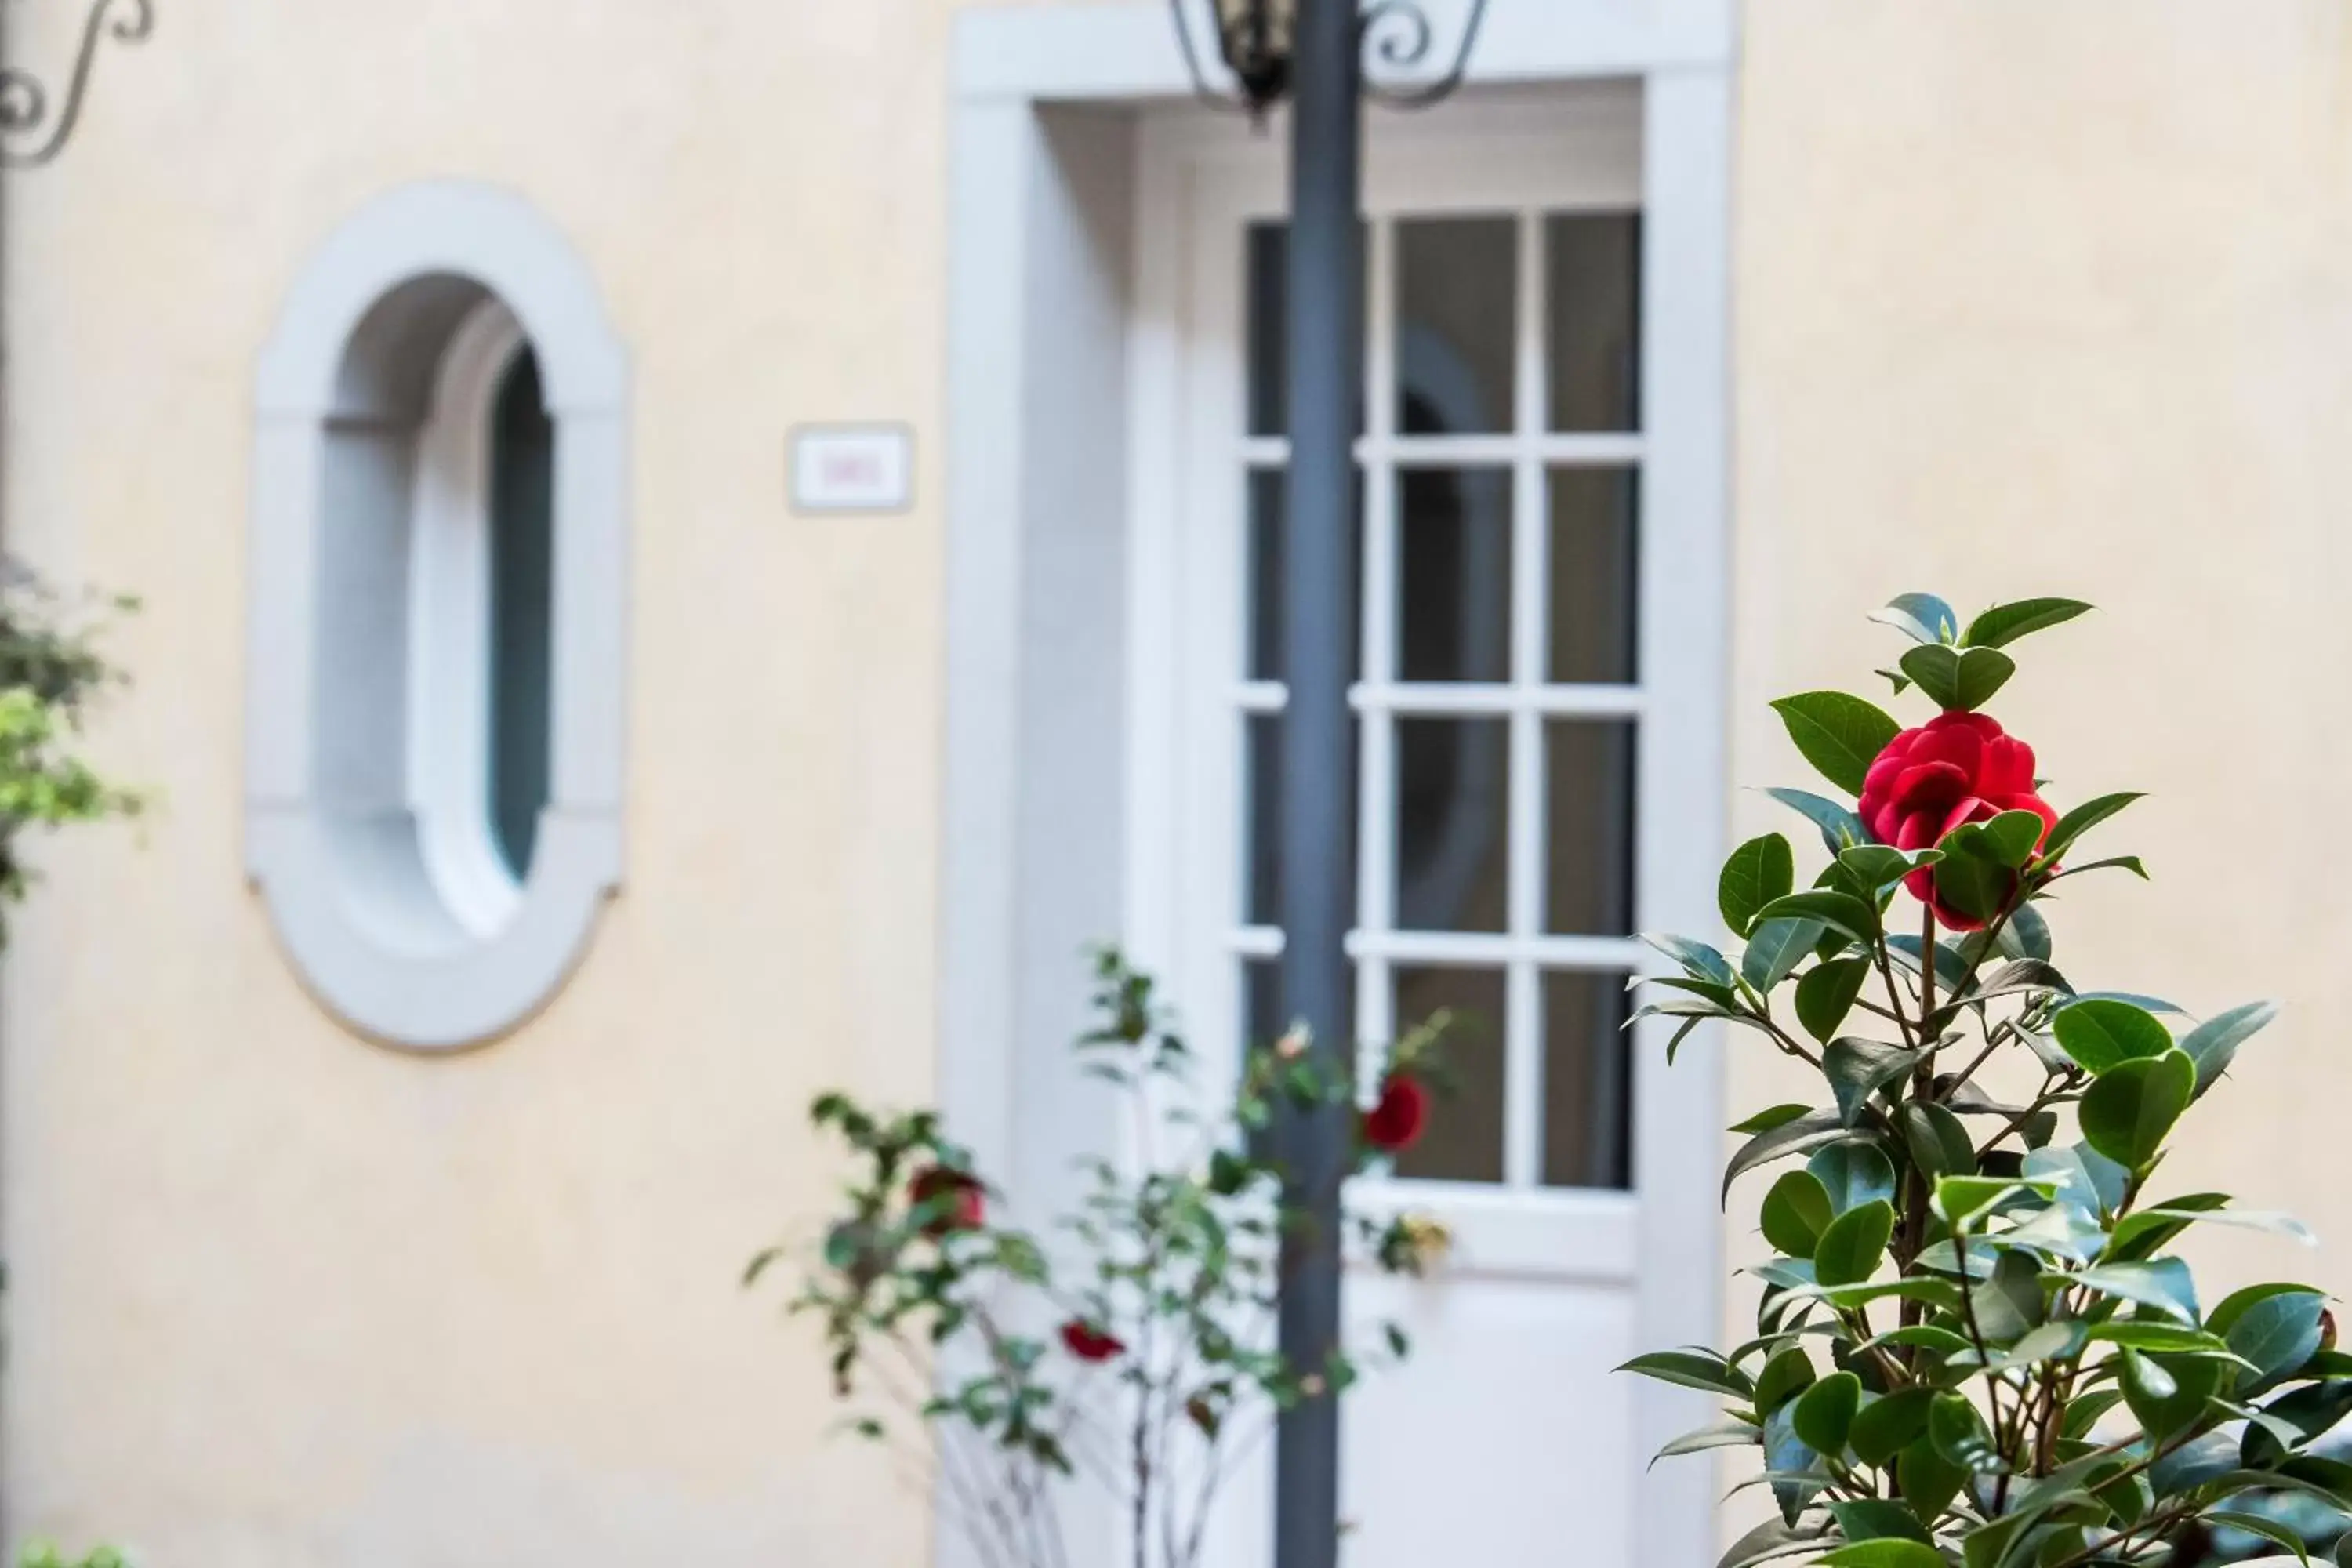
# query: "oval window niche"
{"type": "Point", "coordinates": [439, 581]}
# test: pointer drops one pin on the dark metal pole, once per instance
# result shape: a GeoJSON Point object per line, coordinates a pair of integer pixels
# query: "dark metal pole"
{"type": "Point", "coordinates": [1318, 810]}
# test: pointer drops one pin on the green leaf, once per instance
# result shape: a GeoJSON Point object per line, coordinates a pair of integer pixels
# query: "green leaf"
{"type": "Point", "coordinates": [1839, 911]}
{"type": "Point", "coordinates": [1854, 1174]}
{"type": "Point", "coordinates": [1951, 969]}
{"type": "Point", "coordinates": [2238, 1303]}
{"type": "Point", "coordinates": [2010, 1541]}
{"type": "Point", "coordinates": [1693, 1369]}
{"type": "Point", "coordinates": [2121, 862]}
{"type": "Point", "coordinates": [1824, 1413]}
{"type": "Point", "coordinates": [2166, 1394]}
{"type": "Point", "coordinates": [1699, 961]}
{"type": "Point", "coordinates": [1875, 1519]}
{"type": "Point", "coordinates": [1940, 1145]}
{"type": "Point", "coordinates": [2159, 1338]}
{"type": "Point", "coordinates": [1922, 617]}
{"type": "Point", "coordinates": [1796, 1212]}
{"type": "Point", "coordinates": [1959, 1434]}
{"type": "Point", "coordinates": [1885, 1427]}
{"type": "Point", "coordinates": [1929, 1481]}
{"type": "Point", "coordinates": [2004, 624]}
{"type": "Point", "coordinates": [2027, 934]}
{"type": "Point", "coordinates": [1807, 1131]}
{"type": "Point", "coordinates": [1841, 828]}
{"type": "Point", "coordinates": [1840, 734]}
{"type": "Point", "coordinates": [2103, 1033]}
{"type": "Point", "coordinates": [2050, 1342]}
{"type": "Point", "coordinates": [1961, 1199]}
{"type": "Point", "coordinates": [2277, 1336]}
{"type": "Point", "coordinates": [2086, 1178]}
{"type": "Point", "coordinates": [2305, 1413]}
{"type": "Point", "coordinates": [2138, 999]}
{"type": "Point", "coordinates": [1765, 1120]}
{"type": "Point", "coordinates": [1972, 877]}
{"type": "Point", "coordinates": [2088, 1410]}
{"type": "Point", "coordinates": [1775, 948]}
{"type": "Point", "coordinates": [1730, 1434]}
{"type": "Point", "coordinates": [1886, 1552]}
{"type": "Point", "coordinates": [1956, 679]}
{"type": "Point", "coordinates": [1793, 1469]}
{"type": "Point", "coordinates": [2063, 1230]}
{"type": "Point", "coordinates": [1850, 1249]}
{"type": "Point", "coordinates": [2127, 1112]}
{"type": "Point", "coordinates": [1758, 872]}
{"type": "Point", "coordinates": [1784, 1377]}
{"type": "Point", "coordinates": [1940, 1341]}
{"type": "Point", "coordinates": [2164, 1284]}
{"type": "Point", "coordinates": [1940, 1294]}
{"type": "Point", "coordinates": [2008, 1304]}
{"type": "Point", "coordinates": [2269, 1530]}
{"type": "Point", "coordinates": [2170, 1219]}
{"type": "Point", "coordinates": [2213, 1044]}
{"type": "Point", "coordinates": [2082, 819]}
{"type": "Point", "coordinates": [1858, 1068]}
{"type": "Point", "coordinates": [1826, 994]}
{"type": "Point", "coordinates": [2312, 1477]}
{"type": "Point", "coordinates": [2344, 1552]}
{"type": "Point", "coordinates": [2011, 835]}
{"type": "Point", "coordinates": [1876, 866]}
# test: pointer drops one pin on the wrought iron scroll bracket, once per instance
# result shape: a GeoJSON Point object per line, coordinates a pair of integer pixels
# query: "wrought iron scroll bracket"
{"type": "Point", "coordinates": [25, 108]}
{"type": "Point", "coordinates": [1397, 35]}
{"type": "Point", "coordinates": [1397, 38]}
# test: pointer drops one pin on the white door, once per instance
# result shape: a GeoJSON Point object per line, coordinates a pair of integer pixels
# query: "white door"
{"type": "Point", "coordinates": [1520, 650]}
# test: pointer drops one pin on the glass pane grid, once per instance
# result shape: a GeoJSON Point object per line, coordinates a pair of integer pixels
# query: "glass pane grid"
{"type": "Point", "coordinates": [1497, 700]}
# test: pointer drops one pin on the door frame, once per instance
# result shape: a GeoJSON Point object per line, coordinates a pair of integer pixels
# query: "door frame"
{"type": "Point", "coordinates": [1052, 357]}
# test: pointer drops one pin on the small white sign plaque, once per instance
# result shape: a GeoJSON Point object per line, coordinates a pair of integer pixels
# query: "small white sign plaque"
{"type": "Point", "coordinates": [853, 467]}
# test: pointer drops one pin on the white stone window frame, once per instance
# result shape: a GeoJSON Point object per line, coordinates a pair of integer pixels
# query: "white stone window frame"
{"type": "Point", "coordinates": [417, 938]}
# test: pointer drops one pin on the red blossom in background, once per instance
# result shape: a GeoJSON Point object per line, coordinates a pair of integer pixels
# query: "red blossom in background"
{"type": "Point", "coordinates": [957, 1199]}
{"type": "Point", "coordinates": [1089, 1343]}
{"type": "Point", "coordinates": [1397, 1122]}
{"type": "Point", "coordinates": [1956, 769]}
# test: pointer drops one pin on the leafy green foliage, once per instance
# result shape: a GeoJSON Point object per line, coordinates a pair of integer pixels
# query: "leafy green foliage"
{"type": "Point", "coordinates": [1973, 1344]}
{"type": "Point", "coordinates": [50, 675]}
{"type": "Point", "coordinates": [1131, 1346]}
{"type": "Point", "coordinates": [44, 1555]}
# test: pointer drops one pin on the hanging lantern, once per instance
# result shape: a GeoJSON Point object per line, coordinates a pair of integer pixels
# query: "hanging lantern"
{"type": "Point", "coordinates": [1256, 38]}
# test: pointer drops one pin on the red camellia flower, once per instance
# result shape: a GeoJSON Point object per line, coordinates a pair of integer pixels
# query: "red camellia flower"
{"type": "Point", "coordinates": [1955, 769]}
{"type": "Point", "coordinates": [938, 1185]}
{"type": "Point", "coordinates": [1090, 1343]}
{"type": "Point", "coordinates": [1396, 1123]}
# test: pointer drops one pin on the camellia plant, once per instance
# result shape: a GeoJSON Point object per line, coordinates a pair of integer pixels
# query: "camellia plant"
{"type": "Point", "coordinates": [1130, 1348]}
{"type": "Point", "coordinates": [1974, 1346]}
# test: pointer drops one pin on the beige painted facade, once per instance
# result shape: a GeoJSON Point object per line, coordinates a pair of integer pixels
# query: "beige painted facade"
{"type": "Point", "coordinates": [2034, 295]}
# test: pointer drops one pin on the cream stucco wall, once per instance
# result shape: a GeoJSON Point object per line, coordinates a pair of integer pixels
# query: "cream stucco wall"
{"type": "Point", "coordinates": [280, 1298]}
